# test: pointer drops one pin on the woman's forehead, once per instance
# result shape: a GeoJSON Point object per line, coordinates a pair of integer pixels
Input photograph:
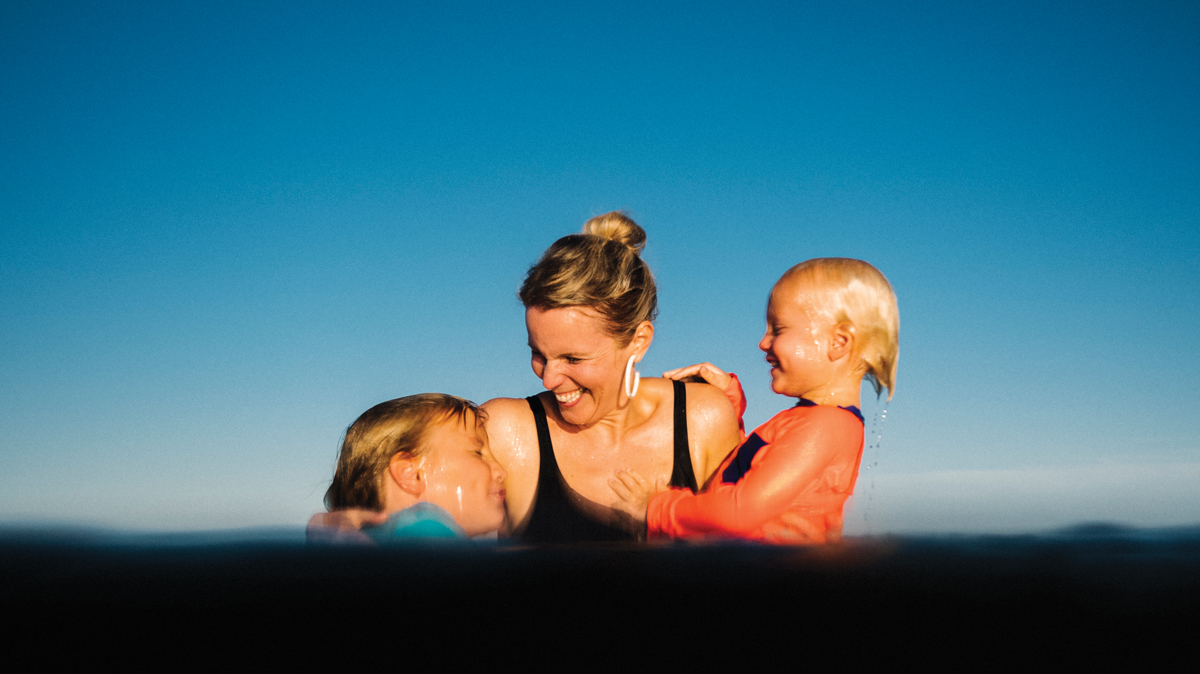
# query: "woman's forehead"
{"type": "Point", "coordinates": [567, 328]}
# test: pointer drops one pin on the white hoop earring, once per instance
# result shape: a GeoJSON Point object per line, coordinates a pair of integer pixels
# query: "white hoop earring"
{"type": "Point", "coordinates": [631, 391]}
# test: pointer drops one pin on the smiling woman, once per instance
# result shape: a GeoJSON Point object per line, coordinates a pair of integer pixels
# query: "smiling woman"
{"type": "Point", "coordinates": [589, 302]}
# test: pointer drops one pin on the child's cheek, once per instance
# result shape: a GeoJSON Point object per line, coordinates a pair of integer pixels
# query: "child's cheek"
{"type": "Point", "coordinates": [444, 489]}
{"type": "Point", "coordinates": [804, 349]}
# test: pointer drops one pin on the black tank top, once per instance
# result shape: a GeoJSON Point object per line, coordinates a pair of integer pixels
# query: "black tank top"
{"type": "Point", "coordinates": [562, 515]}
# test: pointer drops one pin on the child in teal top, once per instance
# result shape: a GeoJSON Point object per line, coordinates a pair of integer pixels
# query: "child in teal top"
{"type": "Point", "coordinates": [416, 467]}
{"type": "Point", "coordinates": [421, 521]}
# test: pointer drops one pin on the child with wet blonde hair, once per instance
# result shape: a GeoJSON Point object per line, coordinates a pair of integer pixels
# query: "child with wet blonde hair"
{"type": "Point", "coordinates": [416, 467]}
{"type": "Point", "coordinates": [831, 322]}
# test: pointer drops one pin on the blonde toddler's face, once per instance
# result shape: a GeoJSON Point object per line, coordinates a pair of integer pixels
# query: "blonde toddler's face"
{"type": "Point", "coordinates": [461, 476]}
{"type": "Point", "coordinates": [797, 340]}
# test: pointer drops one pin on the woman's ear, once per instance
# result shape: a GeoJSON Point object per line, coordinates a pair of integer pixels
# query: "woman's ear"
{"type": "Point", "coordinates": [404, 469]}
{"type": "Point", "coordinates": [642, 338]}
{"type": "Point", "coordinates": [842, 342]}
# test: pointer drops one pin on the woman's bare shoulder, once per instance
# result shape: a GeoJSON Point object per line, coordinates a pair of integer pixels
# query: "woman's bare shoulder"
{"type": "Point", "coordinates": [509, 421]}
{"type": "Point", "coordinates": [504, 407]}
{"type": "Point", "coordinates": [705, 402]}
{"type": "Point", "coordinates": [709, 402]}
{"type": "Point", "coordinates": [657, 389]}
{"type": "Point", "coordinates": [711, 415]}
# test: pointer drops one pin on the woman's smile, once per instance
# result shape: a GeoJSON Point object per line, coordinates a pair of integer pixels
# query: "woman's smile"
{"type": "Point", "coordinates": [569, 398]}
{"type": "Point", "coordinates": [577, 360]}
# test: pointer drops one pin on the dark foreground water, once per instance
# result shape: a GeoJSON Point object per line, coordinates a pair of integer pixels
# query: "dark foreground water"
{"type": "Point", "coordinates": [1095, 593]}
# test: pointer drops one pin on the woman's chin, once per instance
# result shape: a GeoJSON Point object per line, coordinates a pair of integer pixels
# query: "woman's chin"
{"type": "Point", "coordinates": [578, 413]}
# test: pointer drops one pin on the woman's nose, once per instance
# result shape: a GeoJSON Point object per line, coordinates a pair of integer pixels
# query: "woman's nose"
{"type": "Point", "coordinates": [551, 376]}
{"type": "Point", "coordinates": [764, 344]}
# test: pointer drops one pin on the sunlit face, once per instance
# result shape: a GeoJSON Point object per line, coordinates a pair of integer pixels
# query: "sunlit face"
{"type": "Point", "coordinates": [575, 357]}
{"type": "Point", "coordinates": [461, 476]}
{"type": "Point", "coordinates": [797, 340]}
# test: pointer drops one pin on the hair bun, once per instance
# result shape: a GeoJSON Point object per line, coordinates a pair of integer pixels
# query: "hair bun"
{"type": "Point", "coordinates": [616, 226]}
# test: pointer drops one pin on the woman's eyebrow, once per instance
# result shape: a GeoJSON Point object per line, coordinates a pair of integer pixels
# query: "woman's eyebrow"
{"type": "Point", "coordinates": [561, 355]}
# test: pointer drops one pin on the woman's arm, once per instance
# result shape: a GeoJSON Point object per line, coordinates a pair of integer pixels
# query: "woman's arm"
{"type": "Point", "coordinates": [713, 429]}
{"type": "Point", "coordinates": [512, 438]}
{"type": "Point", "coordinates": [343, 526]}
{"type": "Point", "coordinates": [727, 382]}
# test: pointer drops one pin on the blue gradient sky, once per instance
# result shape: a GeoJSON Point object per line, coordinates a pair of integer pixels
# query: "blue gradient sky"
{"type": "Point", "coordinates": [229, 228]}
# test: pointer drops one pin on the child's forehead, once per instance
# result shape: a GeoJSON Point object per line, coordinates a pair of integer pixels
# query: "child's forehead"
{"type": "Point", "coordinates": [798, 291]}
{"type": "Point", "coordinates": [460, 430]}
{"type": "Point", "coordinates": [466, 421]}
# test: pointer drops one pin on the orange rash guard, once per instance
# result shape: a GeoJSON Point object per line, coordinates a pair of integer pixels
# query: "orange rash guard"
{"type": "Point", "coordinates": [785, 484]}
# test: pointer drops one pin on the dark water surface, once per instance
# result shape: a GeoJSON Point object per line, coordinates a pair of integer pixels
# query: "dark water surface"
{"type": "Point", "coordinates": [1092, 592]}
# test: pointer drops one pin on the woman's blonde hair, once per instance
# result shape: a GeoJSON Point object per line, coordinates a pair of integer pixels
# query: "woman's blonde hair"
{"type": "Point", "coordinates": [601, 269]}
{"type": "Point", "coordinates": [857, 293]}
{"type": "Point", "coordinates": [395, 426]}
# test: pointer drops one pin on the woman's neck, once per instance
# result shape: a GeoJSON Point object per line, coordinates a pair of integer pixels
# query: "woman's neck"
{"type": "Point", "coordinates": [628, 414]}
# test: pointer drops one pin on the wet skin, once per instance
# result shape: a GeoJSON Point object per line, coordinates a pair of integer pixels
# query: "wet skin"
{"type": "Point", "coordinates": [594, 427]}
{"type": "Point", "coordinates": [461, 476]}
{"type": "Point", "coordinates": [577, 362]}
{"type": "Point", "coordinates": [811, 355]}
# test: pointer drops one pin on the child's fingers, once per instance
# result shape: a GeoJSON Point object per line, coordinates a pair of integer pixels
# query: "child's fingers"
{"type": "Point", "coordinates": [624, 484]}
{"type": "Point", "coordinates": [682, 372]}
{"type": "Point", "coordinates": [706, 371]}
{"type": "Point", "coordinates": [342, 526]}
{"type": "Point", "coordinates": [637, 478]}
{"type": "Point", "coordinates": [619, 489]}
{"type": "Point", "coordinates": [627, 477]}
{"type": "Point", "coordinates": [353, 518]}
{"type": "Point", "coordinates": [715, 375]}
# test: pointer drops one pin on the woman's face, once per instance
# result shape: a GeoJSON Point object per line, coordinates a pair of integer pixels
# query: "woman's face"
{"type": "Point", "coordinates": [576, 359]}
{"type": "Point", "coordinates": [461, 476]}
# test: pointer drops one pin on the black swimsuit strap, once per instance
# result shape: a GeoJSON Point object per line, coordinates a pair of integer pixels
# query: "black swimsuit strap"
{"type": "Point", "coordinates": [557, 516]}
{"type": "Point", "coordinates": [554, 518]}
{"type": "Point", "coordinates": [545, 449]}
{"type": "Point", "coordinates": [682, 474]}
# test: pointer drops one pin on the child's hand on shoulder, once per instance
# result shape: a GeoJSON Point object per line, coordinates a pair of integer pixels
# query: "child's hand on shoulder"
{"type": "Point", "coordinates": [633, 493]}
{"type": "Point", "coordinates": [706, 372]}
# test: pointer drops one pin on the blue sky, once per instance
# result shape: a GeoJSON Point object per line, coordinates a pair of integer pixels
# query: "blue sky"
{"type": "Point", "coordinates": [229, 228]}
